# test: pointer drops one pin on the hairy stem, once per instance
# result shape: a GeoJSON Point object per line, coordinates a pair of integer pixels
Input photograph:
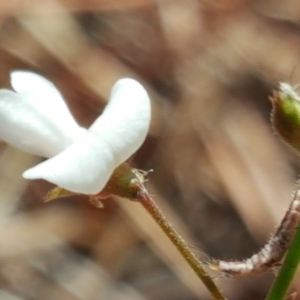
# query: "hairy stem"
{"type": "Point", "coordinates": [148, 203]}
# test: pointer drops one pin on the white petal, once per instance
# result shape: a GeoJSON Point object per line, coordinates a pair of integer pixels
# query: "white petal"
{"type": "Point", "coordinates": [84, 167]}
{"type": "Point", "coordinates": [124, 123]}
{"type": "Point", "coordinates": [36, 120]}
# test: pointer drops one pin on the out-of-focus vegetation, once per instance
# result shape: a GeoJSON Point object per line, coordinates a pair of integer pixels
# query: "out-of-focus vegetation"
{"type": "Point", "coordinates": [220, 174]}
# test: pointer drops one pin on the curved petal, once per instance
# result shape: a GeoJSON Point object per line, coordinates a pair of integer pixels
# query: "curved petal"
{"type": "Point", "coordinates": [84, 167]}
{"type": "Point", "coordinates": [124, 123]}
{"type": "Point", "coordinates": [43, 96]}
{"type": "Point", "coordinates": [38, 110]}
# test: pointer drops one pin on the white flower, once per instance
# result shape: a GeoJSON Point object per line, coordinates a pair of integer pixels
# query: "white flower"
{"type": "Point", "coordinates": [36, 119]}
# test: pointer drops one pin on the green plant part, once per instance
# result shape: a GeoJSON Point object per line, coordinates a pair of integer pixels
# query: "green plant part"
{"type": "Point", "coordinates": [285, 114]}
{"type": "Point", "coordinates": [286, 122]}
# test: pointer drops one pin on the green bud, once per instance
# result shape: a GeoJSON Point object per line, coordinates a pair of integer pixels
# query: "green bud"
{"type": "Point", "coordinates": [285, 115]}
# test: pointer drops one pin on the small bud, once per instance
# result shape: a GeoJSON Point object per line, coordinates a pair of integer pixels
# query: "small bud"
{"type": "Point", "coordinates": [285, 115]}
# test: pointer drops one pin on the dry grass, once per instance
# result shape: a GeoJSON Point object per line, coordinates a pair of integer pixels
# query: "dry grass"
{"type": "Point", "coordinates": [220, 174]}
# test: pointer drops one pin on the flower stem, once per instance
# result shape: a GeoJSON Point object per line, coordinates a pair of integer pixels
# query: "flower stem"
{"type": "Point", "coordinates": [144, 198]}
{"type": "Point", "coordinates": [287, 271]}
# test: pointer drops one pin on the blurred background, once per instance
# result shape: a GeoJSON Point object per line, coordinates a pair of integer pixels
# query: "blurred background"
{"type": "Point", "coordinates": [221, 175]}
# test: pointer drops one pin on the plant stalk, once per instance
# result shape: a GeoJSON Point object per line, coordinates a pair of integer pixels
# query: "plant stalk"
{"type": "Point", "coordinates": [148, 203]}
{"type": "Point", "coordinates": [288, 270]}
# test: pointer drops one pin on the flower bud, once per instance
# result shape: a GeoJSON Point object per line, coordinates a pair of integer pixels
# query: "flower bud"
{"type": "Point", "coordinates": [285, 115]}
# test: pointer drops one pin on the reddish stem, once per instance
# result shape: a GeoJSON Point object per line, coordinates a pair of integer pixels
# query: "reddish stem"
{"type": "Point", "coordinates": [144, 198]}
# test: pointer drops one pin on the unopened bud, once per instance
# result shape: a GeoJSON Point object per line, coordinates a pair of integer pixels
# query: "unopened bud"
{"type": "Point", "coordinates": [285, 115]}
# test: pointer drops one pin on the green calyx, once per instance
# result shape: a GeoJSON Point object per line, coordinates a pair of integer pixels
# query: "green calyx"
{"type": "Point", "coordinates": [125, 182]}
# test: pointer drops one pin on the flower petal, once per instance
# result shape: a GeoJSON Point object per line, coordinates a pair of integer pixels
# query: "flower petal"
{"type": "Point", "coordinates": [86, 166]}
{"type": "Point", "coordinates": [36, 120]}
{"type": "Point", "coordinates": [124, 123]}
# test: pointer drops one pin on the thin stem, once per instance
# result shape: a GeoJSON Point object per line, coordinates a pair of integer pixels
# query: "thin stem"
{"type": "Point", "coordinates": [148, 203]}
{"type": "Point", "coordinates": [288, 270]}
